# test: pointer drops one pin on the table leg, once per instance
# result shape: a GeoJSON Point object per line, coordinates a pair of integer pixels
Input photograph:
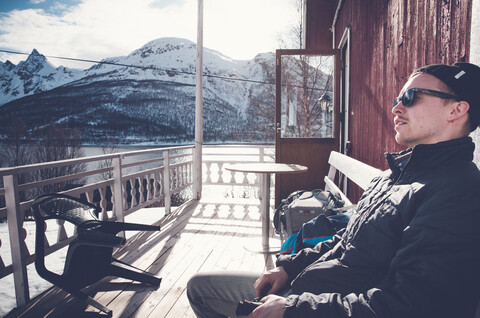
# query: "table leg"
{"type": "Point", "coordinates": [265, 218]}
{"type": "Point", "coordinates": [265, 211]}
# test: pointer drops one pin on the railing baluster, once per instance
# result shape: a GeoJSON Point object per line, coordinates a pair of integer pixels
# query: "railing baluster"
{"type": "Point", "coordinates": [208, 173]}
{"type": "Point", "coordinates": [232, 177]}
{"type": "Point", "coordinates": [176, 178]}
{"type": "Point", "coordinates": [220, 173]}
{"type": "Point", "coordinates": [140, 190]}
{"type": "Point", "coordinates": [149, 186]}
{"type": "Point", "coordinates": [182, 175]}
{"type": "Point", "coordinates": [157, 183]}
{"type": "Point", "coordinates": [245, 179]}
{"type": "Point", "coordinates": [133, 196]}
{"type": "Point", "coordinates": [103, 204]}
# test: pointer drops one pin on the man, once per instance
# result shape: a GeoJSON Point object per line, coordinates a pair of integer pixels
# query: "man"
{"type": "Point", "coordinates": [412, 249]}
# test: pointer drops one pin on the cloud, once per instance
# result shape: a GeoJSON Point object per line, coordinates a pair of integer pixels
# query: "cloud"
{"type": "Point", "coordinates": [244, 28]}
{"type": "Point", "coordinates": [96, 29]}
{"type": "Point", "coordinates": [37, 1]}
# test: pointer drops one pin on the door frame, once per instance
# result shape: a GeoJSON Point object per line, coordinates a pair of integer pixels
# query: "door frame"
{"type": "Point", "coordinates": [312, 152]}
{"type": "Point", "coordinates": [345, 145]}
{"type": "Point", "coordinates": [344, 47]}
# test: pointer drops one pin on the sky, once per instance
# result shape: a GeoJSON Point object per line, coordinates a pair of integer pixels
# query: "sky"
{"type": "Point", "coordinates": [97, 29]}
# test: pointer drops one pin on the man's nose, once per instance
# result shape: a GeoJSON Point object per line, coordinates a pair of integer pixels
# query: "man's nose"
{"type": "Point", "coordinates": [399, 108]}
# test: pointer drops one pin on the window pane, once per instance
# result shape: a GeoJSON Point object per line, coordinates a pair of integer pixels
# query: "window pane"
{"type": "Point", "coordinates": [307, 96]}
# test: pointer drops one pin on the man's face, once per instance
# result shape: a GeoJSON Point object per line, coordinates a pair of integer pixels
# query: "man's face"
{"type": "Point", "coordinates": [424, 121]}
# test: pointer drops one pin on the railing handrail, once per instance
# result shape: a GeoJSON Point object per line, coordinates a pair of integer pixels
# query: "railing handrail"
{"type": "Point", "coordinates": [50, 164]}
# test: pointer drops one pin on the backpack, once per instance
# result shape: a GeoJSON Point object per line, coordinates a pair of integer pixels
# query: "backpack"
{"type": "Point", "coordinates": [302, 206]}
{"type": "Point", "coordinates": [317, 230]}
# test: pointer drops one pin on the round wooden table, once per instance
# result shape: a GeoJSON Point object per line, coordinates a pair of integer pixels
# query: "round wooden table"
{"type": "Point", "coordinates": [265, 169]}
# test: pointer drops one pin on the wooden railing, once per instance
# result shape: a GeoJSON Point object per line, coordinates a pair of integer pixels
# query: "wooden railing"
{"type": "Point", "coordinates": [215, 158]}
{"type": "Point", "coordinates": [125, 183]}
{"type": "Point", "coordinates": [119, 184]}
{"type": "Point", "coordinates": [218, 181]}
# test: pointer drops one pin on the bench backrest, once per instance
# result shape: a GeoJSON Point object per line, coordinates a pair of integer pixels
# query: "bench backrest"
{"type": "Point", "coordinates": [349, 168]}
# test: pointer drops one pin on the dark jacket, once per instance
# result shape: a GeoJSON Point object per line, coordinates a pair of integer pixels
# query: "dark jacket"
{"type": "Point", "coordinates": [412, 249]}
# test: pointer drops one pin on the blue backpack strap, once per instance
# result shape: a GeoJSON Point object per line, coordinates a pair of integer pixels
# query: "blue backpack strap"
{"type": "Point", "coordinates": [288, 247]}
{"type": "Point", "coordinates": [317, 230]}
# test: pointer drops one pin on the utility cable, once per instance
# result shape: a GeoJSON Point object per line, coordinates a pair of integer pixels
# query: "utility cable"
{"type": "Point", "coordinates": [140, 67]}
{"type": "Point", "coordinates": [158, 69]}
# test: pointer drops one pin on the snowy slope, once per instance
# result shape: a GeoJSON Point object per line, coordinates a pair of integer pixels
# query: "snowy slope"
{"type": "Point", "coordinates": [146, 96]}
{"type": "Point", "coordinates": [34, 75]}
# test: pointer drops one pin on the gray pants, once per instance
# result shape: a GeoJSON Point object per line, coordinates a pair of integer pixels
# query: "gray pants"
{"type": "Point", "coordinates": [216, 294]}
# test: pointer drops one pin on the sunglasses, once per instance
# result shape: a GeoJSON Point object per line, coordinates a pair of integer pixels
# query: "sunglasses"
{"type": "Point", "coordinates": [408, 98]}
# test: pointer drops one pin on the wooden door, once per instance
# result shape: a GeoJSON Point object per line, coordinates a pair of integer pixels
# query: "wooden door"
{"type": "Point", "coordinates": [306, 116]}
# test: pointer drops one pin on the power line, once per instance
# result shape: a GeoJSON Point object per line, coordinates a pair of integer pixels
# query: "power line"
{"type": "Point", "coordinates": [158, 69]}
{"type": "Point", "coordinates": [140, 67]}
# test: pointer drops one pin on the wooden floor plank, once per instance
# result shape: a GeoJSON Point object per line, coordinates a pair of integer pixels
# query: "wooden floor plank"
{"type": "Point", "coordinates": [225, 236]}
{"type": "Point", "coordinates": [124, 303]}
{"type": "Point", "coordinates": [180, 256]}
{"type": "Point", "coordinates": [204, 236]}
{"type": "Point", "coordinates": [124, 296]}
{"type": "Point", "coordinates": [210, 238]}
{"type": "Point", "coordinates": [187, 249]}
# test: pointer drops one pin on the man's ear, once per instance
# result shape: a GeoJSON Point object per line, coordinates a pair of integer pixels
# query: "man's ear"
{"type": "Point", "coordinates": [458, 110]}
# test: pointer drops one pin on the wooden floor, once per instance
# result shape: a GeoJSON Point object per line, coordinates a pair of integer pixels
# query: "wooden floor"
{"type": "Point", "coordinates": [201, 236]}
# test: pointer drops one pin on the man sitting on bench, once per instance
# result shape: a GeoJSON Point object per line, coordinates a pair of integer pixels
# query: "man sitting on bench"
{"type": "Point", "coordinates": [412, 249]}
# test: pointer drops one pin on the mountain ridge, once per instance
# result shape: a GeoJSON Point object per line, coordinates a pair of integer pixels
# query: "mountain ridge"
{"type": "Point", "coordinates": [153, 87]}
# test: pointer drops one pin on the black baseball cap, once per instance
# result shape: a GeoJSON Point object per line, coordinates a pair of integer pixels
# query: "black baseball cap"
{"type": "Point", "coordinates": [464, 80]}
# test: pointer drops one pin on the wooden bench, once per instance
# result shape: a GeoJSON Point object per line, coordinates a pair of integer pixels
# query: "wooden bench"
{"type": "Point", "coordinates": [351, 169]}
{"type": "Point", "coordinates": [356, 171]}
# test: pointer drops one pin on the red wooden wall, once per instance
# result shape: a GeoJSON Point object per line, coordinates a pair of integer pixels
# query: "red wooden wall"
{"type": "Point", "coordinates": [319, 20]}
{"type": "Point", "coordinates": [389, 39]}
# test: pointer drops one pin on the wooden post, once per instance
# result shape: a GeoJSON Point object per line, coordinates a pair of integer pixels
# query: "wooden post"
{"type": "Point", "coordinates": [197, 155]}
{"type": "Point", "coordinates": [166, 182]}
{"type": "Point", "coordinates": [17, 245]}
{"type": "Point", "coordinates": [117, 188]}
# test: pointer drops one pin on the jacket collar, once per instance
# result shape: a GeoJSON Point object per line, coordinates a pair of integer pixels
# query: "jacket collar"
{"type": "Point", "coordinates": [431, 155]}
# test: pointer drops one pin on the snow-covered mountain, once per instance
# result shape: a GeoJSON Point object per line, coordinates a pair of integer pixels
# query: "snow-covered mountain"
{"type": "Point", "coordinates": [32, 76]}
{"type": "Point", "coordinates": [147, 96]}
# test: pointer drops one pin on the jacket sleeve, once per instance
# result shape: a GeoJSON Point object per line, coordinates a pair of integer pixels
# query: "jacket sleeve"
{"type": "Point", "coordinates": [434, 273]}
{"type": "Point", "coordinates": [295, 263]}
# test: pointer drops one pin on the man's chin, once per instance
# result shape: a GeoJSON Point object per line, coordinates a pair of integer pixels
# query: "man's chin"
{"type": "Point", "coordinates": [401, 141]}
{"type": "Point", "coordinates": [398, 139]}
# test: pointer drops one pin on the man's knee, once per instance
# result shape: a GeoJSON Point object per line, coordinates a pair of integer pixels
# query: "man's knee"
{"type": "Point", "coordinates": [192, 285]}
{"type": "Point", "coordinates": [216, 294]}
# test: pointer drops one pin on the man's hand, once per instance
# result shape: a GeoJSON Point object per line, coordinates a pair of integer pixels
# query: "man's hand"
{"type": "Point", "coordinates": [273, 307]}
{"type": "Point", "coordinates": [270, 282]}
